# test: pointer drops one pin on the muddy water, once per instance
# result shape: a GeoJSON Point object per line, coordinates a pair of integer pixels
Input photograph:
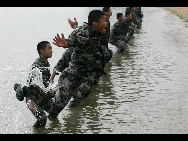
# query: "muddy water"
{"type": "Point", "coordinates": [145, 90]}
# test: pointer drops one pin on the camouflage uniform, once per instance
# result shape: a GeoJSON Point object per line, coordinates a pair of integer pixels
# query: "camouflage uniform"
{"type": "Point", "coordinates": [126, 23]}
{"type": "Point", "coordinates": [138, 12]}
{"type": "Point", "coordinates": [64, 63]}
{"type": "Point", "coordinates": [35, 95]}
{"type": "Point", "coordinates": [86, 62]}
{"type": "Point", "coordinates": [119, 36]}
{"type": "Point", "coordinates": [85, 88]}
{"type": "Point", "coordinates": [135, 16]}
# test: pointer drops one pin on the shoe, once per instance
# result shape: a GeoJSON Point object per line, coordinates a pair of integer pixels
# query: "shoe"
{"type": "Point", "coordinates": [85, 90]}
{"type": "Point", "coordinates": [20, 92]}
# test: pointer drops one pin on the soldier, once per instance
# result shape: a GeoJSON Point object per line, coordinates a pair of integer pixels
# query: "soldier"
{"type": "Point", "coordinates": [62, 64]}
{"type": "Point", "coordinates": [86, 59]}
{"type": "Point", "coordinates": [84, 89]}
{"type": "Point", "coordinates": [106, 37]}
{"type": "Point", "coordinates": [118, 35]}
{"type": "Point", "coordinates": [34, 94]}
{"type": "Point", "coordinates": [127, 24]}
{"type": "Point", "coordinates": [138, 12]}
{"type": "Point", "coordinates": [135, 19]}
{"type": "Point", "coordinates": [108, 13]}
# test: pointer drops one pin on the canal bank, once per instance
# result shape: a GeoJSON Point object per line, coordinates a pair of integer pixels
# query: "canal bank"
{"type": "Point", "coordinates": [181, 12]}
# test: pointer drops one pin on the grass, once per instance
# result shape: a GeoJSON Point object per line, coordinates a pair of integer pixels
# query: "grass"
{"type": "Point", "coordinates": [179, 15]}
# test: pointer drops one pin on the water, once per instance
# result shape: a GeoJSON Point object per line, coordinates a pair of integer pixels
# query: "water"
{"type": "Point", "coordinates": [145, 90]}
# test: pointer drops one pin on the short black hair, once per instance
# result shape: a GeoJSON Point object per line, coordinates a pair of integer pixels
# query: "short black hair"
{"type": "Point", "coordinates": [127, 13]}
{"type": "Point", "coordinates": [131, 8]}
{"type": "Point", "coordinates": [105, 9]}
{"type": "Point", "coordinates": [119, 15]}
{"type": "Point", "coordinates": [94, 16]}
{"type": "Point", "coordinates": [42, 46]}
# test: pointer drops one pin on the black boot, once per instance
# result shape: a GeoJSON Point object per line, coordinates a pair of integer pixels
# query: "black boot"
{"type": "Point", "coordinates": [20, 92]}
{"type": "Point", "coordinates": [76, 101]}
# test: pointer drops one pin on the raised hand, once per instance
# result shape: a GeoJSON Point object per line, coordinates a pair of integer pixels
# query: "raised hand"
{"type": "Point", "coordinates": [73, 24]}
{"type": "Point", "coordinates": [60, 42]}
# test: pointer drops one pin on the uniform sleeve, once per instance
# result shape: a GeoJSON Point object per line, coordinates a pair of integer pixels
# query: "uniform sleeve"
{"type": "Point", "coordinates": [125, 26]}
{"type": "Point", "coordinates": [64, 61]}
{"type": "Point", "coordinates": [115, 29]}
{"type": "Point", "coordinates": [79, 37]}
{"type": "Point", "coordinates": [114, 32]}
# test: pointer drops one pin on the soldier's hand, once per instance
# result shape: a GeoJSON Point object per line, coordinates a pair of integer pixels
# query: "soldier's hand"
{"type": "Point", "coordinates": [132, 27]}
{"type": "Point", "coordinates": [52, 77]}
{"type": "Point", "coordinates": [73, 24]}
{"type": "Point", "coordinates": [138, 20]}
{"type": "Point", "coordinates": [60, 42]}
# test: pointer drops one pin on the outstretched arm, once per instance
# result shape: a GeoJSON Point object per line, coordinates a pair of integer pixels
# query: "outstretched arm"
{"type": "Point", "coordinates": [60, 42]}
{"type": "Point", "coordinates": [52, 77]}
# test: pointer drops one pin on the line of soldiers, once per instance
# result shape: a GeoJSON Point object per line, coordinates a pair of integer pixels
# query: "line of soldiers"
{"type": "Point", "coordinates": [80, 66]}
{"type": "Point", "coordinates": [123, 29]}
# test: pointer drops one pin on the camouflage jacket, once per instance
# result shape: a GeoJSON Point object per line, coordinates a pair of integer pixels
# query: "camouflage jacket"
{"type": "Point", "coordinates": [66, 57]}
{"type": "Point", "coordinates": [64, 61]}
{"type": "Point", "coordinates": [44, 69]}
{"type": "Point", "coordinates": [87, 53]}
{"type": "Point", "coordinates": [119, 30]}
{"type": "Point", "coordinates": [138, 12]}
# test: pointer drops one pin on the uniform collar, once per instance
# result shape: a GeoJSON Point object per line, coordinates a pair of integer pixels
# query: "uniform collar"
{"type": "Point", "coordinates": [42, 61]}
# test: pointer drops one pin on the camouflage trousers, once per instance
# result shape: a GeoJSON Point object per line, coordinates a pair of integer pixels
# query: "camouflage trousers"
{"type": "Point", "coordinates": [38, 113]}
{"type": "Point", "coordinates": [35, 99]}
{"type": "Point", "coordinates": [85, 88]}
{"type": "Point", "coordinates": [69, 84]}
{"type": "Point", "coordinates": [120, 42]}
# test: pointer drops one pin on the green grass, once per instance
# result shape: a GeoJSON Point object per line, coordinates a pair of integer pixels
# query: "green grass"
{"type": "Point", "coordinates": [179, 15]}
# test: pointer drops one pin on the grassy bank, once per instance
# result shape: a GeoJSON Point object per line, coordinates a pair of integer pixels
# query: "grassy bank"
{"type": "Point", "coordinates": [181, 12]}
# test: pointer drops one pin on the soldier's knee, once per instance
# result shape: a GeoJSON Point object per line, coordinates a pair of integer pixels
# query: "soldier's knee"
{"type": "Point", "coordinates": [85, 90]}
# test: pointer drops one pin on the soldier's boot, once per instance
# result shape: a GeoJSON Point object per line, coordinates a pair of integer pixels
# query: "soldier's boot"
{"type": "Point", "coordinates": [85, 90]}
{"type": "Point", "coordinates": [76, 101]}
{"type": "Point", "coordinates": [121, 49]}
{"type": "Point", "coordinates": [20, 91]}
